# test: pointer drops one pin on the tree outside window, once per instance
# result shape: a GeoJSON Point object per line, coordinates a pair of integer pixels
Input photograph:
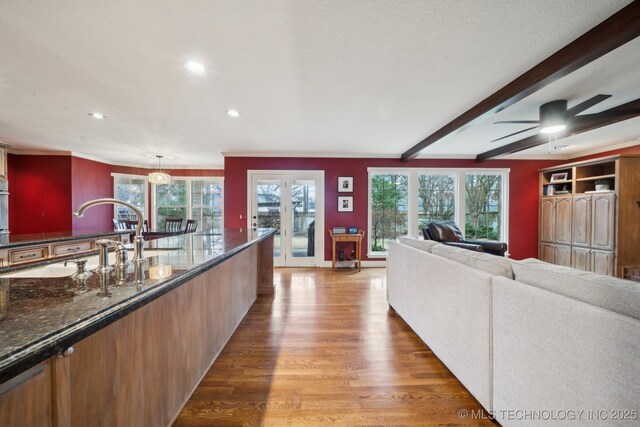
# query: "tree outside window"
{"type": "Point", "coordinates": [206, 204]}
{"type": "Point", "coordinates": [483, 206]}
{"type": "Point", "coordinates": [131, 190]}
{"type": "Point", "coordinates": [171, 202]}
{"type": "Point", "coordinates": [436, 198]}
{"type": "Point", "coordinates": [389, 215]}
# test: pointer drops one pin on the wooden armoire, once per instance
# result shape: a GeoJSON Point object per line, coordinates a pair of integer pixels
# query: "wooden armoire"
{"type": "Point", "coordinates": [590, 214]}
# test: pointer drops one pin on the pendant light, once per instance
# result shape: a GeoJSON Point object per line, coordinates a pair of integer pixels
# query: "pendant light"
{"type": "Point", "coordinates": [159, 177]}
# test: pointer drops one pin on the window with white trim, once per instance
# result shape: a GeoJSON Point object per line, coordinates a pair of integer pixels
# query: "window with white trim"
{"type": "Point", "coordinates": [199, 198]}
{"type": "Point", "coordinates": [206, 203]}
{"type": "Point", "coordinates": [403, 201]}
{"type": "Point", "coordinates": [388, 217]}
{"type": "Point", "coordinates": [170, 202]}
{"type": "Point", "coordinates": [131, 189]}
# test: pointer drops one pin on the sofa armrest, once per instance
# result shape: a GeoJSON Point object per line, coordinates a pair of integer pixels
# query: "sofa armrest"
{"type": "Point", "coordinates": [494, 248]}
{"type": "Point", "coordinates": [465, 245]}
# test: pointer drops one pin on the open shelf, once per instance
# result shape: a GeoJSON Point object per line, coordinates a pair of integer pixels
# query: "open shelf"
{"type": "Point", "coordinates": [594, 178]}
{"type": "Point", "coordinates": [580, 177]}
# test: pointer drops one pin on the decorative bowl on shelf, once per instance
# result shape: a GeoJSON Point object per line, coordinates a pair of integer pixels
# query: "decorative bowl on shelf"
{"type": "Point", "coordinates": [602, 185]}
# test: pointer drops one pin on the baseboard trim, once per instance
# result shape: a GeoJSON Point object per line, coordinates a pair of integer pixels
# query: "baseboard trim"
{"type": "Point", "coordinates": [365, 264]}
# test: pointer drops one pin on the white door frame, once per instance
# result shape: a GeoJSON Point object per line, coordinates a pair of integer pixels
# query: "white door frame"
{"type": "Point", "coordinates": [287, 177]}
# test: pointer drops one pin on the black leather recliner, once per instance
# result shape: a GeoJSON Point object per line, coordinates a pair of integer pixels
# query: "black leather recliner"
{"type": "Point", "coordinates": [447, 232]}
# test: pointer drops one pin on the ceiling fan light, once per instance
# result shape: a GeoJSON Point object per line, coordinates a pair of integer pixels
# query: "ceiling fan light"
{"type": "Point", "coordinates": [552, 116]}
{"type": "Point", "coordinates": [553, 128]}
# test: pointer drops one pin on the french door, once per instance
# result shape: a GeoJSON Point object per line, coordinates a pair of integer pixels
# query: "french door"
{"type": "Point", "coordinates": [293, 203]}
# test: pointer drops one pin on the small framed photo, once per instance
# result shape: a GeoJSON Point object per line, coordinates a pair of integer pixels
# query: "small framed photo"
{"type": "Point", "coordinates": [559, 177]}
{"type": "Point", "coordinates": [345, 184]}
{"type": "Point", "coordinates": [345, 203]}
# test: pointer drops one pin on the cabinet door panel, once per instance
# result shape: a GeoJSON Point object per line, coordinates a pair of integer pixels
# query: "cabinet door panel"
{"type": "Point", "coordinates": [547, 216]}
{"type": "Point", "coordinates": [581, 221]}
{"type": "Point", "coordinates": [546, 253]}
{"type": "Point", "coordinates": [26, 399]}
{"type": "Point", "coordinates": [563, 220]}
{"type": "Point", "coordinates": [581, 258]}
{"type": "Point", "coordinates": [562, 255]}
{"type": "Point", "coordinates": [603, 262]}
{"type": "Point", "coordinates": [603, 221]}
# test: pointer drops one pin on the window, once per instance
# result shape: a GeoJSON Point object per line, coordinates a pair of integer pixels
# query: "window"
{"type": "Point", "coordinates": [131, 189]}
{"type": "Point", "coordinates": [483, 203]}
{"type": "Point", "coordinates": [388, 208]}
{"type": "Point", "coordinates": [206, 203]}
{"type": "Point", "coordinates": [171, 202]}
{"type": "Point", "coordinates": [403, 201]}
{"type": "Point", "coordinates": [436, 198]}
{"type": "Point", "coordinates": [198, 198]}
{"type": "Point", "coordinates": [190, 198]}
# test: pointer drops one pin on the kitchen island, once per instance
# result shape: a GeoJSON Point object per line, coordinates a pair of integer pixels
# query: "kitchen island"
{"type": "Point", "coordinates": [127, 347]}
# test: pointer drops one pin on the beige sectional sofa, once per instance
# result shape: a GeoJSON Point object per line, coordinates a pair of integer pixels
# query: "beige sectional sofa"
{"type": "Point", "coordinates": [535, 343]}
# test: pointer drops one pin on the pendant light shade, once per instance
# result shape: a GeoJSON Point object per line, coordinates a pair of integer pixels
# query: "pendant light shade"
{"type": "Point", "coordinates": [159, 177]}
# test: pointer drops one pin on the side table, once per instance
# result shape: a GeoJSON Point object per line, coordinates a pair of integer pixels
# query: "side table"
{"type": "Point", "coordinates": [349, 238]}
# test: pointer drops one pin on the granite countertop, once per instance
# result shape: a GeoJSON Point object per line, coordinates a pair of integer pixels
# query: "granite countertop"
{"type": "Point", "coordinates": [40, 317]}
{"type": "Point", "coordinates": [16, 240]}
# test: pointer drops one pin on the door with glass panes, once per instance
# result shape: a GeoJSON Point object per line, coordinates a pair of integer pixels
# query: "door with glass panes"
{"type": "Point", "coordinates": [292, 203]}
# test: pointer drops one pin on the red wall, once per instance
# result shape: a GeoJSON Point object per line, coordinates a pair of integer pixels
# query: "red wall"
{"type": "Point", "coordinates": [173, 172]}
{"type": "Point", "coordinates": [91, 180]}
{"type": "Point", "coordinates": [634, 149]}
{"type": "Point", "coordinates": [46, 190]}
{"type": "Point", "coordinates": [39, 194]}
{"type": "Point", "coordinates": [523, 191]}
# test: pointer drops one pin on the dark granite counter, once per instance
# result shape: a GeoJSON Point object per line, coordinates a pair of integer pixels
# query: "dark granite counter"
{"type": "Point", "coordinates": [40, 317]}
{"type": "Point", "coordinates": [16, 240]}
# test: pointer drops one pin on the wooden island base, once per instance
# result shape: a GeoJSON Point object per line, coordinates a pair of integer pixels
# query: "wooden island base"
{"type": "Point", "coordinates": [141, 369]}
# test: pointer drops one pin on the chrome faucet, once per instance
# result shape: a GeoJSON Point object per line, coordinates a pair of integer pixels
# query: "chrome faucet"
{"type": "Point", "coordinates": [138, 242]}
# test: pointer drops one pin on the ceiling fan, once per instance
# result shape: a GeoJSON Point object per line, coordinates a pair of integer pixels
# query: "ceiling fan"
{"type": "Point", "coordinates": [556, 117]}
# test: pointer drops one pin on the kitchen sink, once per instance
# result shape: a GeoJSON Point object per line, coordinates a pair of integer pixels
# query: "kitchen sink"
{"type": "Point", "coordinates": [61, 270]}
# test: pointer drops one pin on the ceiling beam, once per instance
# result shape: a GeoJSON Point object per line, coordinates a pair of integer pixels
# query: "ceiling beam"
{"type": "Point", "coordinates": [580, 125]}
{"type": "Point", "coordinates": [610, 34]}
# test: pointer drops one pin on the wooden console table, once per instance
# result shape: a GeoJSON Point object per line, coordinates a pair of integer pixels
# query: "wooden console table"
{"type": "Point", "coordinates": [352, 238]}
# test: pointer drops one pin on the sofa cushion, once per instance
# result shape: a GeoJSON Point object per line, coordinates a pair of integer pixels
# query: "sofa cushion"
{"type": "Point", "coordinates": [611, 293]}
{"type": "Point", "coordinates": [498, 266]}
{"type": "Point", "coordinates": [423, 245]}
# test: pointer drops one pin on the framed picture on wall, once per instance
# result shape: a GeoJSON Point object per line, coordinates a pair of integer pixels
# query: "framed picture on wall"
{"type": "Point", "coordinates": [345, 203]}
{"type": "Point", "coordinates": [345, 184]}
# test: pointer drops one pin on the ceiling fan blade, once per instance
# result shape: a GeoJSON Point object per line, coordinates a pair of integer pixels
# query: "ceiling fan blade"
{"type": "Point", "coordinates": [515, 133]}
{"type": "Point", "coordinates": [526, 122]}
{"type": "Point", "coordinates": [576, 109]}
{"type": "Point", "coordinates": [578, 125]}
{"type": "Point", "coordinates": [608, 114]}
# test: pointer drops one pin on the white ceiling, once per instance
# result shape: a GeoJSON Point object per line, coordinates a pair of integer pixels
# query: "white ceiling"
{"type": "Point", "coordinates": [333, 77]}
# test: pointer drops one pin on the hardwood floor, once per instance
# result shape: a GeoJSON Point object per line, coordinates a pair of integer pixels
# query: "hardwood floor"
{"type": "Point", "coordinates": [327, 349]}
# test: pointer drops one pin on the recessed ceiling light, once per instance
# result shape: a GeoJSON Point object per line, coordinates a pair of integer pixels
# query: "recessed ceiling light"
{"type": "Point", "coordinates": [233, 113]}
{"type": "Point", "coordinates": [98, 116]}
{"type": "Point", "coordinates": [562, 147]}
{"type": "Point", "coordinates": [195, 68]}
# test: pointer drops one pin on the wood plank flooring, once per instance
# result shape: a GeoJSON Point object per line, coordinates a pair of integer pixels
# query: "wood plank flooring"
{"type": "Point", "coordinates": [326, 349]}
